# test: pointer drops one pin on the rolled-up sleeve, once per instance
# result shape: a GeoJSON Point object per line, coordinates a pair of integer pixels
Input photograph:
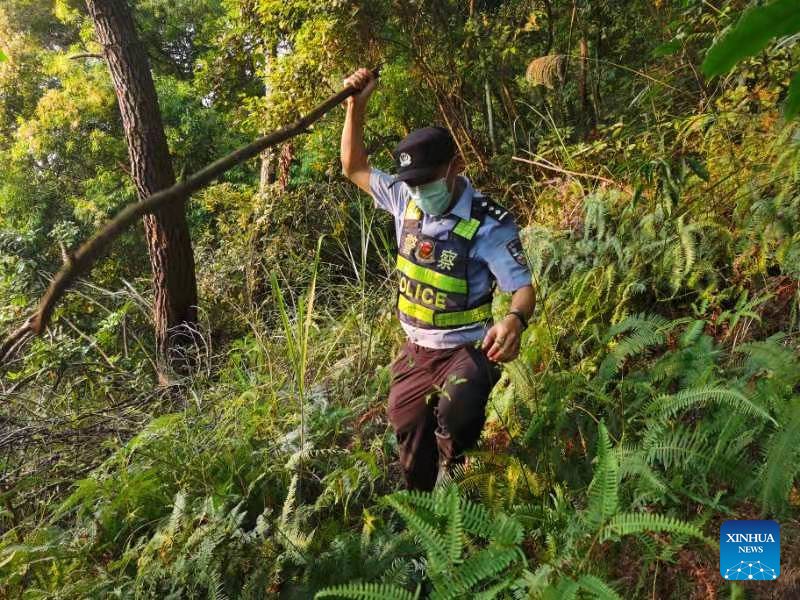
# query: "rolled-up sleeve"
{"type": "Point", "coordinates": [388, 198]}
{"type": "Point", "coordinates": [501, 249]}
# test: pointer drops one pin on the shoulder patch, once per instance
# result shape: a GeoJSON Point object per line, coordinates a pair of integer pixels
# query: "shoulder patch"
{"type": "Point", "coordinates": [516, 251]}
{"type": "Point", "coordinates": [488, 207]}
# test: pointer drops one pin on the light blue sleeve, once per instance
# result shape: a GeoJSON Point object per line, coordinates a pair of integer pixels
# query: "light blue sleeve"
{"type": "Point", "coordinates": [499, 246]}
{"type": "Point", "coordinates": [390, 199]}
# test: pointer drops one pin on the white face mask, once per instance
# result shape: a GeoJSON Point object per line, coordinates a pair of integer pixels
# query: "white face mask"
{"type": "Point", "coordinates": [433, 197]}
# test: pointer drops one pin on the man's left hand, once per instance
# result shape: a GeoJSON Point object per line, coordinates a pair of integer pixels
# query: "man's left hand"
{"type": "Point", "coordinates": [501, 343]}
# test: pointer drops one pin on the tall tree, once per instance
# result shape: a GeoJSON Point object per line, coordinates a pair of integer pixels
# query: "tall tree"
{"type": "Point", "coordinates": [166, 231]}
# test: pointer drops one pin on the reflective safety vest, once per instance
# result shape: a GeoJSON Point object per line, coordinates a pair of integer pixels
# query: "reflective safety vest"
{"type": "Point", "coordinates": [433, 286]}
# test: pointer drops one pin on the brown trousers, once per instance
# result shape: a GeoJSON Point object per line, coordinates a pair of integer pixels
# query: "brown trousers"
{"type": "Point", "coordinates": [437, 407]}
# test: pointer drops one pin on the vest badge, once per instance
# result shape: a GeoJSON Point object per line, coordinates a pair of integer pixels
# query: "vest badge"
{"type": "Point", "coordinates": [425, 252]}
{"type": "Point", "coordinates": [409, 243]}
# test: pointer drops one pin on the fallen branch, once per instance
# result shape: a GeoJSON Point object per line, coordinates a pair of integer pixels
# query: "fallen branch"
{"type": "Point", "coordinates": [560, 170]}
{"type": "Point", "coordinates": [90, 251]}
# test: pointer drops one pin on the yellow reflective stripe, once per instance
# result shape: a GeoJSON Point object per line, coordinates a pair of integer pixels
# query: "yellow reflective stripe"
{"type": "Point", "coordinates": [467, 229]}
{"type": "Point", "coordinates": [412, 212]}
{"type": "Point", "coordinates": [414, 310]}
{"type": "Point", "coordinates": [464, 317]}
{"type": "Point", "coordinates": [445, 319]}
{"type": "Point", "coordinates": [446, 283]}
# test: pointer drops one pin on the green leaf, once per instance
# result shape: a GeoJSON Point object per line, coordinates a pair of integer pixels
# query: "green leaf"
{"type": "Point", "coordinates": [792, 106]}
{"type": "Point", "coordinates": [668, 48]}
{"type": "Point", "coordinates": [598, 588]}
{"type": "Point", "coordinates": [670, 404]}
{"type": "Point", "coordinates": [604, 488]}
{"type": "Point", "coordinates": [780, 464]}
{"type": "Point", "coordinates": [697, 168]}
{"type": "Point", "coordinates": [636, 523]}
{"type": "Point", "coordinates": [455, 529]}
{"type": "Point", "coordinates": [755, 29]}
{"type": "Point", "coordinates": [366, 591]}
{"type": "Point", "coordinates": [3, 56]}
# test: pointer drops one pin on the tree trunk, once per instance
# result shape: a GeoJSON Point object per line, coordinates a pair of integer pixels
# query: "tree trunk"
{"type": "Point", "coordinates": [266, 175]}
{"type": "Point", "coordinates": [583, 82]}
{"type": "Point", "coordinates": [285, 165]}
{"type": "Point", "coordinates": [583, 75]}
{"type": "Point", "coordinates": [166, 231]}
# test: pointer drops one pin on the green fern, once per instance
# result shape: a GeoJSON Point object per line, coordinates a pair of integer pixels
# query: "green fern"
{"type": "Point", "coordinates": [475, 518]}
{"type": "Point", "coordinates": [367, 591]}
{"type": "Point", "coordinates": [440, 521]}
{"type": "Point", "coordinates": [670, 404]}
{"type": "Point", "coordinates": [781, 462]}
{"type": "Point", "coordinates": [772, 357]}
{"type": "Point", "coordinates": [599, 588]}
{"type": "Point", "coordinates": [455, 530]}
{"type": "Point", "coordinates": [633, 463]}
{"type": "Point", "coordinates": [647, 331]}
{"type": "Point", "coordinates": [431, 540]}
{"type": "Point", "coordinates": [478, 568]}
{"type": "Point", "coordinates": [604, 488]}
{"type": "Point", "coordinates": [630, 524]}
{"type": "Point", "coordinates": [680, 448]}
{"type": "Point", "coordinates": [566, 589]}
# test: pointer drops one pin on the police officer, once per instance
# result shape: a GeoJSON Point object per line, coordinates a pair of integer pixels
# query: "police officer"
{"type": "Point", "coordinates": [454, 246]}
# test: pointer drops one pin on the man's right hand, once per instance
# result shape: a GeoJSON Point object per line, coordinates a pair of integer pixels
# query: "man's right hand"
{"type": "Point", "coordinates": [363, 80]}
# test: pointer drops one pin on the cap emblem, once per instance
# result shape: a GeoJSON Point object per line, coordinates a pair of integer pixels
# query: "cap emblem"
{"type": "Point", "coordinates": [405, 159]}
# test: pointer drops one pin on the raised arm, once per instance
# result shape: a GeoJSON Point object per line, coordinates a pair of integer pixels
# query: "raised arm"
{"type": "Point", "coordinates": [355, 164]}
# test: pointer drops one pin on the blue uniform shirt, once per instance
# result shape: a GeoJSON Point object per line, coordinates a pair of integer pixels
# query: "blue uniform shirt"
{"type": "Point", "coordinates": [494, 254]}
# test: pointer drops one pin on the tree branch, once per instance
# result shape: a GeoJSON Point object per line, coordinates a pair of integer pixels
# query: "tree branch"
{"type": "Point", "coordinates": [85, 256]}
{"type": "Point", "coordinates": [87, 55]}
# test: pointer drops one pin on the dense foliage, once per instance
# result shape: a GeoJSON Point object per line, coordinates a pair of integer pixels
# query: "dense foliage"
{"type": "Point", "coordinates": [656, 393]}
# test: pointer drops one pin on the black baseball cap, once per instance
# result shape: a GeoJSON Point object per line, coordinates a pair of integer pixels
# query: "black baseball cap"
{"type": "Point", "coordinates": [420, 154]}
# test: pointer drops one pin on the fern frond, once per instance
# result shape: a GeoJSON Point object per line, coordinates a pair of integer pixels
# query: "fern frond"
{"type": "Point", "coordinates": [477, 520]}
{"type": "Point", "coordinates": [289, 503]}
{"type": "Point", "coordinates": [781, 463]}
{"type": "Point", "coordinates": [635, 464]}
{"type": "Point", "coordinates": [566, 589]}
{"type": "Point", "coordinates": [681, 447]}
{"type": "Point", "coordinates": [598, 587]}
{"type": "Point", "coordinates": [507, 531]}
{"type": "Point", "coordinates": [692, 333]}
{"type": "Point", "coordinates": [216, 590]}
{"type": "Point", "coordinates": [178, 509]}
{"type": "Point", "coordinates": [604, 488]}
{"type": "Point", "coordinates": [687, 245]}
{"type": "Point", "coordinates": [770, 355]}
{"type": "Point", "coordinates": [367, 591]}
{"type": "Point", "coordinates": [633, 523]}
{"type": "Point", "coordinates": [478, 568]}
{"type": "Point", "coordinates": [670, 404]}
{"type": "Point", "coordinates": [455, 529]}
{"type": "Point", "coordinates": [433, 543]}
{"type": "Point", "coordinates": [493, 591]}
{"type": "Point", "coordinates": [647, 331]}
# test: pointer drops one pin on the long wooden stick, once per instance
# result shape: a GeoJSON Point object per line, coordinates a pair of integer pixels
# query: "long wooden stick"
{"type": "Point", "coordinates": [560, 170]}
{"type": "Point", "coordinates": [85, 256]}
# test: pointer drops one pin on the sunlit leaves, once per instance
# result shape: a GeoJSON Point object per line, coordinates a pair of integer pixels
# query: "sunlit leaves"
{"type": "Point", "coordinates": [757, 27]}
